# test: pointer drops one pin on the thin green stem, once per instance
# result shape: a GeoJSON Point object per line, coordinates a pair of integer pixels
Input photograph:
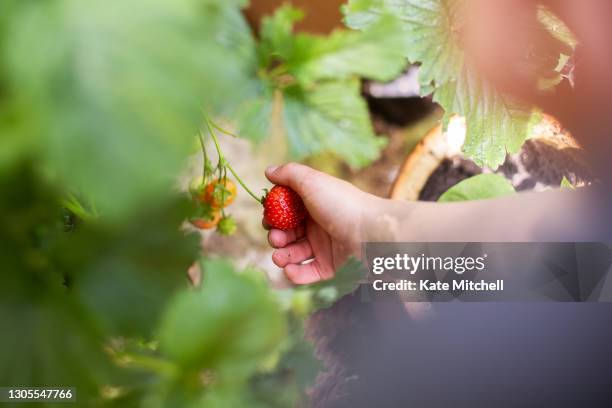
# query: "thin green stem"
{"type": "Point", "coordinates": [258, 199]}
{"type": "Point", "coordinates": [223, 162]}
{"type": "Point", "coordinates": [204, 157]}
{"type": "Point", "coordinates": [214, 138]}
{"type": "Point", "coordinates": [227, 132]}
{"type": "Point", "coordinates": [73, 204]}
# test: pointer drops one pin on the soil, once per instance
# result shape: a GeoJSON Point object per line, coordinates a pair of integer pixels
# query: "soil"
{"type": "Point", "coordinates": [449, 172]}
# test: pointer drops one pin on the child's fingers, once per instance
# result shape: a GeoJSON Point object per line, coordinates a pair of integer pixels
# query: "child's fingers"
{"type": "Point", "coordinates": [293, 253]}
{"type": "Point", "coordinates": [304, 274]}
{"type": "Point", "coordinates": [279, 238]}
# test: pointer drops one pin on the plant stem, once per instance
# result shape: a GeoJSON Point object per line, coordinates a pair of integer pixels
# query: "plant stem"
{"type": "Point", "coordinates": [73, 204]}
{"type": "Point", "coordinates": [224, 162]}
{"type": "Point", "coordinates": [258, 199]}
{"type": "Point", "coordinates": [214, 138]}
{"type": "Point", "coordinates": [204, 159]}
{"type": "Point", "coordinates": [220, 129]}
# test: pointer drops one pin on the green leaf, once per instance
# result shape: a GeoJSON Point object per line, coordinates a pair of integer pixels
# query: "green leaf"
{"type": "Point", "coordinates": [127, 273]}
{"type": "Point", "coordinates": [288, 384]}
{"type": "Point", "coordinates": [429, 27]}
{"type": "Point", "coordinates": [277, 40]}
{"type": "Point", "coordinates": [229, 325]}
{"type": "Point", "coordinates": [54, 338]}
{"type": "Point", "coordinates": [222, 398]}
{"type": "Point", "coordinates": [377, 53]}
{"type": "Point", "coordinates": [253, 116]}
{"type": "Point", "coordinates": [345, 281]}
{"type": "Point", "coordinates": [496, 124]}
{"type": "Point", "coordinates": [360, 14]}
{"type": "Point", "coordinates": [332, 117]}
{"type": "Point", "coordinates": [566, 184]}
{"type": "Point", "coordinates": [322, 107]}
{"type": "Point", "coordinates": [480, 187]}
{"type": "Point", "coordinates": [302, 361]}
{"type": "Point", "coordinates": [231, 75]}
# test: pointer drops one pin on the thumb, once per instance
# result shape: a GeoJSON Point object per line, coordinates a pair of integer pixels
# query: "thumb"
{"type": "Point", "coordinates": [292, 175]}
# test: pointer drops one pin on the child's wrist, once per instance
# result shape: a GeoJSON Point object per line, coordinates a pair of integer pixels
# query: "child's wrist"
{"type": "Point", "coordinates": [384, 220]}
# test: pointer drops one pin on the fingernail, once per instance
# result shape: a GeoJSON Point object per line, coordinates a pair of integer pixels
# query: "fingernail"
{"type": "Point", "coordinates": [271, 169]}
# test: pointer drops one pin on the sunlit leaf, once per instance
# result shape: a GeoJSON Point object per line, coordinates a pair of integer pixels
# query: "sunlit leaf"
{"type": "Point", "coordinates": [566, 184]}
{"type": "Point", "coordinates": [480, 187]}
{"type": "Point", "coordinates": [496, 124]}
{"type": "Point", "coordinates": [377, 53]}
{"type": "Point", "coordinates": [332, 117]}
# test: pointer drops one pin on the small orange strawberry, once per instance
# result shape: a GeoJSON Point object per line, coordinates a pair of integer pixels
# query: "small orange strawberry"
{"type": "Point", "coordinates": [206, 223]}
{"type": "Point", "coordinates": [220, 192]}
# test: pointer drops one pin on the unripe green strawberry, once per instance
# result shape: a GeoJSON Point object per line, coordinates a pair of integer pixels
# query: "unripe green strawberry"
{"type": "Point", "coordinates": [283, 208]}
{"type": "Point", "coordinates": [227, 226]}
{"type": "Point", "coordinates": [301, 302]}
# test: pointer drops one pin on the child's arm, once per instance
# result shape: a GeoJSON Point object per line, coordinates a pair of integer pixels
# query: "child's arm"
{"type": "Point", "coordinates": [342, 217]}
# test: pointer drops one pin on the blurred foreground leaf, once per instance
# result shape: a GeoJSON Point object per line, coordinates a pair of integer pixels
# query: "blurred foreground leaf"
{"type": "Point", "coordinates": [110, 95]}
{"type": "Point", "coordinates": [67, 291]}
{"type": "Point", "coordinates": [227, 326]}
{"type": "Point", "coordinates": [127, 273]}
{"type": "Point", "coordinates": [48, 337]}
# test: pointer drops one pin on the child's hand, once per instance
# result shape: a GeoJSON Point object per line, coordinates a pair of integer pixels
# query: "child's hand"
{"type": "Point", "coordinates": [333, 231]}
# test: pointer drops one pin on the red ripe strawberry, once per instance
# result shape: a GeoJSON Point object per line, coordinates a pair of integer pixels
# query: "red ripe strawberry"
{"type": "Point", "coordinates": [283, 208]}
